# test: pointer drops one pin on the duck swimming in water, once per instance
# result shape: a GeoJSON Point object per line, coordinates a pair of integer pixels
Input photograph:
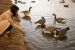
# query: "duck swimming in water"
{"type": "Point", "coordinates": [41, 23]}
{"type": "Point", "coordinates": [58, 20]}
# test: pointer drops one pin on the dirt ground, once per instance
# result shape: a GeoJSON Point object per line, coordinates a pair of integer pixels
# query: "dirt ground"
{"type": "Point", "coordinates": [14, 41]}
{"type": "Point", "coordinates": [4, 5]}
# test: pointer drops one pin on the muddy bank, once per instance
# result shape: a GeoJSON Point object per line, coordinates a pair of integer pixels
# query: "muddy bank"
{"type": "Point", "coordinates": [5, 5]}
{"type": "Point", "coordinates": [14, 41]}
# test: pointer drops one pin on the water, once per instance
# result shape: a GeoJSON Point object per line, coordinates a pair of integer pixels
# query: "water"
{"type": "Point", "coordinates": [40, 8]}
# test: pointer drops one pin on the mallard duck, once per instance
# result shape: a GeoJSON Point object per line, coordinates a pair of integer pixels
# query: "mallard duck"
{"type": "Point", "coordinates": [58, 20]}
{"type": "Point", "coordinates": [73, 1]}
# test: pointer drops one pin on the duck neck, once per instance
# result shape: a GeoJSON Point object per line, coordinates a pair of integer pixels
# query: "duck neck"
{"type": "Point", "coordinates": [54, 16]}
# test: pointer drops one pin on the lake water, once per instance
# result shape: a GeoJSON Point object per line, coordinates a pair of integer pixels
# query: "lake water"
{"type": "Point", "coordinates": [35, 39]}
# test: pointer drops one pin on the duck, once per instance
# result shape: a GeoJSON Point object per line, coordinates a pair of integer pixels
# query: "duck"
{"type": "Point", "coordinates": [73, 1]}
{"type": "Point", "coordinates": [54, 32]}
{"type": "Point", "coordinates": [41, 21]}
{"type": "Point", "coordinates": [30, 9]}
{"type": "Point", "coordinates": [40, 26]}
{"type": "Point", "coordinates": [49, 32]}
{"type": "Point", "coordinates": [62, 1]}
{"type": "Point", "coordinates": [26, 16]}
{"type": "Point", "coordinates": [59, 20]}
{"type": "Point", "coordinates": [61, 33]}
{"type": "Point", "coordinates": [33, 1]}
